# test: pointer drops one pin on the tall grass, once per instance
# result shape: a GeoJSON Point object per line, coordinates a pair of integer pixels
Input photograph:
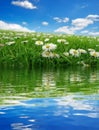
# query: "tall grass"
{"type": "Point", "coordinates": [25, 49]}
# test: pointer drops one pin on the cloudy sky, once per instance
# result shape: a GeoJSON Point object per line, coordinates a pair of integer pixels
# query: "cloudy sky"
{"type": "Point", "coordinates": [54, 16]}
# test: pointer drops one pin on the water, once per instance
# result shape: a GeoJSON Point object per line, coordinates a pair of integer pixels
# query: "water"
{"type": "Point", "coordinates": [49, 99]}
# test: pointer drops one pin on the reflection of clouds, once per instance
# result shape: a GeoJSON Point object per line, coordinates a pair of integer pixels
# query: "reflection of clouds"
{"type": "Point", "coordinates": [11, 102]}
{"type": "Point", "coordinates": [2, 113]}
{"type": "Point", "coordinates": [72, 106]}
{"type": "Point", "coordinates": [69, 110]}
{"type": "Point", "coordinates": [8, 100]}
{"type": "Point", "coordinates": [21, 126]}
{"type": "Point", "coordinates": [92, 115]}
{"type": "Point", "coordinates": [17, 102]}
{"type": "Point", "coordinates": [32, 120]}
{"type": "Point", "coordinates": [69, 101]}
{"type": "Point", "coordinates": [24, 117]}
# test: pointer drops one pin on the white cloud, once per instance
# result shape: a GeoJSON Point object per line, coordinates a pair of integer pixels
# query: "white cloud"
{"type": "Point", "coordinates": [93, 17]}
{"type": "Point", "coordinates": [45, 23]}
{"type": "Point", "coordinates": [12, 26]}
{"type": "Point", "coordinates": [81, 23]}
{"type": "Point", "coordinates": [59, 20]}
{"type": "Point", "coordinates": [25, 4]}
{"type": "Point", "coordinates": [87, 32]}
{"type": "Point", "coordinates": [65, 20]}
{"type": "Point", "coordinates": [94, 33]}
{"type": "Point", "coordinates": [78, 25]}
{"type": "Point", "coordinates": [64, 29]}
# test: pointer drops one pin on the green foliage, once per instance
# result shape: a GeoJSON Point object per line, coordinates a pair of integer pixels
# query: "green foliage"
{"type": "Point", "coordinates": [21, 49]}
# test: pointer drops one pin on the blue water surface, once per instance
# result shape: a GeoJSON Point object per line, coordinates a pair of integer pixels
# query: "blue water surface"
{"type": "Point", "coordinates": [66, 113]}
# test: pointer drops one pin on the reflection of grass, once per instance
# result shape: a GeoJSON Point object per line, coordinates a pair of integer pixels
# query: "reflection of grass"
{"type": "Point", "coordinates": [51, 82]}
{"type": "Point", "coordinates": [41, 92]}
{"type": "Point", "coordinates": [29, 49]}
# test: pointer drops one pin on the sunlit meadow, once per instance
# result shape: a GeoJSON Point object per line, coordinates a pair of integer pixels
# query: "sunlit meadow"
{"type": "Point", "coordinates": [30, 49]}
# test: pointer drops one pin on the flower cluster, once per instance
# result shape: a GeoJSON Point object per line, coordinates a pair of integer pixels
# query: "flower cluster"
{"type": "Point", "coordinates": [77, 52]}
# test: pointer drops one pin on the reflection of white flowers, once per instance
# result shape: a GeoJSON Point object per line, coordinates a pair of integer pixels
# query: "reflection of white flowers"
{"type": "Point", "coordinates": [39, 43]}
{"type": "Point", "coordinates": [74, 52]}
{"type": "Point", "coordinates": [49, 47]}
{"type": "Point", "coordinates": [48, 80]}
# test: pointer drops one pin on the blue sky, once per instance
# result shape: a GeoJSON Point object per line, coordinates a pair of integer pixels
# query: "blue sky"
{"type": "Point", "coordinates": [54, 16]}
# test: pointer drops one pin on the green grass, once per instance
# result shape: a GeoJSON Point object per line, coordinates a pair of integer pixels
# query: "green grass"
{"type": "Point", "coordinates": [19, 49]}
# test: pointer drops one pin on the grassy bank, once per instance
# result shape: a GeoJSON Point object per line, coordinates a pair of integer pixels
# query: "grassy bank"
{"type": "Point", "coordinates": [32, 49]}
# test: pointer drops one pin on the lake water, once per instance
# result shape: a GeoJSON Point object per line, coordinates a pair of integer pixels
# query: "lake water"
{"type": "Point", "coordinates": [49, 99]}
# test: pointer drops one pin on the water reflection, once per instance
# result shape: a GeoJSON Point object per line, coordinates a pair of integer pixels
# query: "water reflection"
{"type": "Point", "coordinates": [17, 85]}
{"type": "Point", "coordinates": [67, 112]}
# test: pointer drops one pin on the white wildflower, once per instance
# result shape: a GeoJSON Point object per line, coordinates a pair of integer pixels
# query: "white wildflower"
{"type": "Point", "coordinates": [55, 55]}
{"type": "Point", "coordinates": [46, 40]}
{"type": "Point", "coordinates": [66, 43]}
{"type": "Point", "coordinates": [82, 51]}
{"type": "Point", "coordinates": [26, 41]}
{"type": "Point", "coordinates": [74, 52]}
{"type": "Point", "coordinates": [49, 47]}
{"type": "Point", "coordinates": [94, 54]}
{"type": "Point", "coordinates": [91, 50]}
{"type": "Point", "coordinates": [10, 43]}
{"type": "Point", "coordinates": [66, 53]}
{"type": "Point", "coordinates": [39, 43]}
{"type": "Point", "coordinates": [47, 54]}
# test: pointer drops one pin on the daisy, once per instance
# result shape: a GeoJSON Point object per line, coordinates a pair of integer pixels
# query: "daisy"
{"type": "Point", "coordinates": [47, 54]}
{"type": "Point", "coordinates": [74, 52]}
{"type": "Point", "coordinates": [49, 47]}
{"type": "Point", "coordinates": [39, 43]}
{"type": "Point", "coordinates": [94, 54]}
